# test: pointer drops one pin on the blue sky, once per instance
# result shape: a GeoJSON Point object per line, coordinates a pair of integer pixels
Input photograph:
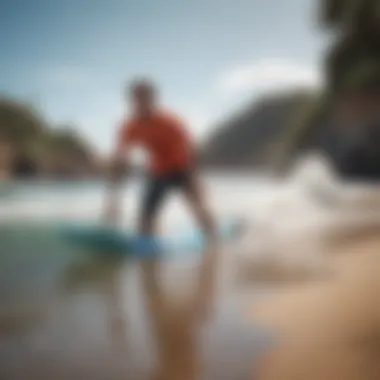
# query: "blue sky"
{"type": "Point", "coordinates": [72, 57]}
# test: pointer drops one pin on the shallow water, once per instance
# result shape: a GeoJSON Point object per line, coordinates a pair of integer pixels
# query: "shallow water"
{"type": "Point", "coordinates": [69, 314]}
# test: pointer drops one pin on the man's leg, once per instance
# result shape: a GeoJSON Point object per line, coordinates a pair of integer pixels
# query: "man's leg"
{"type": "Point", "coordinates": [205, 294]}
{"type": "Point", "coordinates": [196, 199]}
{"type": "Point", "coordinates": [151, 203]}
{"type": "Point", "coordinates": [155, 299]}
{"type": "Point", "coordinates": [156, 191]}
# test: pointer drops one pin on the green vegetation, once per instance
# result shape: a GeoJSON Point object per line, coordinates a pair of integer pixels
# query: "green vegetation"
{"type": "Point", "coordinates": [352, 66]}
{"type": "Point", "coordinates": [354, 59]}
{"type": "Point", "coordinates": [39, 148]}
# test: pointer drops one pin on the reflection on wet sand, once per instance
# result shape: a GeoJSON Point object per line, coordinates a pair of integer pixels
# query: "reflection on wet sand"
{"type": "Point", "coordinates": [177, 323]}
{"type": "Point", "coordinates": [103, 275]}
{"type": "Point", "coordinates": [111, 318]}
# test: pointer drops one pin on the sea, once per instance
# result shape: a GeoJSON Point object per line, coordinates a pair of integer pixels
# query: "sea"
{"type": "Point", "coordinates": [56, 302]}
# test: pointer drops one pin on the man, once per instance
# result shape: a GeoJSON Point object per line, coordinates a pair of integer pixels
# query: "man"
{"type": "Point", "coordinates": [172, 156]}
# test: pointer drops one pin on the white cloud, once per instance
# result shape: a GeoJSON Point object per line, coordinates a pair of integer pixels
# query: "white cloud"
{"type": "Point", "coordinates": [198, 119]}
{"type": "Point", "coordinates": [198, 123]}
{"type": "Point", "coordinates": [267, 76]}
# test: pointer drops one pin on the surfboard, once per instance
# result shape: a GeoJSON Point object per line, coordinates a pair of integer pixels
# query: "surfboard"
{"type": "Point", "coordinates": [109, 240]}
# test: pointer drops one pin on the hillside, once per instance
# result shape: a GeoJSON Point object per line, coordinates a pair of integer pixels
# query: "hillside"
{"type": "Point", "coordinates": [251, 138]}
{"type": "Point", "coordinates": [344, 121]}
{"type": "Point", "coordinates": [31, 147]}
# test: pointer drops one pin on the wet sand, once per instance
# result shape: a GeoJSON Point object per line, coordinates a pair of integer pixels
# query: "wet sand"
{"type": "Point", "coordinates": [329, 330]}
{"type": "Point", "coordinates": [192, 320]}
{"type": "Point", "coordinates": [117, 320]}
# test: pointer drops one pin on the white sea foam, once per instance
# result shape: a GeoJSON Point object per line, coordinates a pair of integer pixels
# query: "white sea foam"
{"type": "Point", "coordinates": [286, 220]}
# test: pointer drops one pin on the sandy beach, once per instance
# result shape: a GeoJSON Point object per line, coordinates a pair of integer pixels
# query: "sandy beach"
{"type": "Point", "coordinates": [330, 329]}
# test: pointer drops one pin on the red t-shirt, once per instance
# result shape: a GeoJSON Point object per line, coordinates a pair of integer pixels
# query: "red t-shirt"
{"type": "Point", "coordinates": [165, 139]}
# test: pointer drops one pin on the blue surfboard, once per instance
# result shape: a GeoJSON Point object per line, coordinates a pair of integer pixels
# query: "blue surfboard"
{"type": "Point", "coordinates": [105, 239]}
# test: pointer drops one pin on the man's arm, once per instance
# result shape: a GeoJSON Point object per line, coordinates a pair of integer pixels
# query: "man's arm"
{"type": "Point", "coordinates": [118, 169]}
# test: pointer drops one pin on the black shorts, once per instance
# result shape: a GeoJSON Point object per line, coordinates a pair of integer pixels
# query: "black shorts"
{"type": "Point", "coordinates": [157, 189]}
